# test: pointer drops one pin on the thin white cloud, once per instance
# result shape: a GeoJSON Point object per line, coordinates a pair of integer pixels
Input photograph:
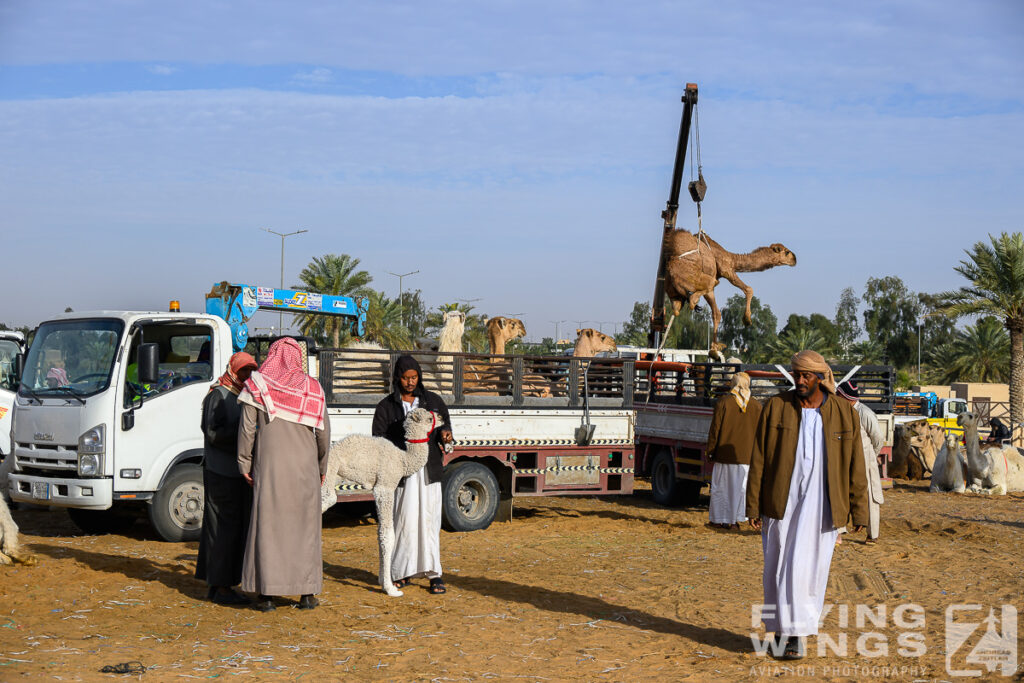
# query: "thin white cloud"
{"type": "Point", "coordinates": [161, 69]}
{"type": "Point", "coordinates": [317, 75]}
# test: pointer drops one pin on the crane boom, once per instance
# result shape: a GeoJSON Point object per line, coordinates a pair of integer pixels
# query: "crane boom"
{"type": "Point", "coordinates": [669, 214]}
{"type": "Point", "coordinates": [237, 303]}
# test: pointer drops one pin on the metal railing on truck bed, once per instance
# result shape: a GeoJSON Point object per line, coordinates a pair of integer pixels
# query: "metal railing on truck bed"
{"type": "Point", "coordinates": [700, 384]}
{"type": "Point", "coordinates": [353, 376]}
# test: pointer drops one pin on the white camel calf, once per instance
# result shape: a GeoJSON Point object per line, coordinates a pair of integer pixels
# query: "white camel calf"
{"type": "Point", "coordinates": [948, 472]}
{"type": "Point", "coordinates": [377, 464]}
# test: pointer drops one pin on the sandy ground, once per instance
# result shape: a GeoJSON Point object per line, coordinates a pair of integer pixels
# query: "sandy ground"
{"type": "Point", "coordinates": [608, 588]}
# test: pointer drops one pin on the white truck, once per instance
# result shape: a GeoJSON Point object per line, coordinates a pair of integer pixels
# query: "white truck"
{"type": "Point", "coordinates": [107, 418]}
{"type": "Point", "coordinates": [12, 345]}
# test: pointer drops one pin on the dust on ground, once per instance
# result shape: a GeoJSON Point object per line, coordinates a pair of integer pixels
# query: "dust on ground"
{"type": "Point", "coordinates": [593, 588]}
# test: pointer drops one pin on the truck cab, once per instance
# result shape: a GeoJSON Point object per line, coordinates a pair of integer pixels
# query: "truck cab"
{"type": "Point", "coordinates": [909, 406]}
{"type": "Point", "coordinates": [12, 345]}
{"type": "Point", "coordinates": [90, 434]}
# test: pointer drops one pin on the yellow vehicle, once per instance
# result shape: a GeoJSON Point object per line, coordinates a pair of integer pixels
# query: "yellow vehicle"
{"type": "Point", "coordinates": [909, 406]}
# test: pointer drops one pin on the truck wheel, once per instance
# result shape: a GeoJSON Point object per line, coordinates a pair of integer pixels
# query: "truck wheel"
{"type": "Point", "coordinates": [176, 511]}
{"type": "Point", "coordinates": [665, 487]}
{"type": "Point", "coordinates": [470, 497]}
{"type": "Point", "coordinates": [99, 522]}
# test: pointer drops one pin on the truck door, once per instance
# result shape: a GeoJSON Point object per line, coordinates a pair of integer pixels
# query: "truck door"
{"type": "Point", "coordinates": [158, 434]}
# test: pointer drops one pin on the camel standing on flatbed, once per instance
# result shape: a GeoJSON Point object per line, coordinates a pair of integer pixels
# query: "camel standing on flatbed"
{"type": "Point", "coordinates": [693, 268]}
{"type": "Point", "coordinates": [502, 330]}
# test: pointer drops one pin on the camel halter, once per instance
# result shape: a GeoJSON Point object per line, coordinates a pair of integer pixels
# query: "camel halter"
{"type": "Point", "coordinates": [433, 421]}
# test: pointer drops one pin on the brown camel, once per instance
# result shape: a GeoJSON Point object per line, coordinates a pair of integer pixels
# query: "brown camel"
{"type": "Point", "coordinates": [501, 330]}
{"type": "Point", "coordinates": [693, 269]}
{"type": "Point", "coordinates": [590, 342]}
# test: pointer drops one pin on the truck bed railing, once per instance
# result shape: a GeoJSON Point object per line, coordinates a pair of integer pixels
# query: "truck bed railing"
{"type": "Point", "coordinates": [702, 383]}
{"type": "Point", "coordinates": [363, 376]}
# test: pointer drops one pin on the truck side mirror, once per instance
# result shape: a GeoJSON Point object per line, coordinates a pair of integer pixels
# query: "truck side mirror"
{"type": "Point", "coordinates": [19, 367]}
{"type": "Point", "coordinates": [148, 360]}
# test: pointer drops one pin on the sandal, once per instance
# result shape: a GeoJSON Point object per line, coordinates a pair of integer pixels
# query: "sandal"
{"type": "Point", "coordinates": [402, 583]}
{"type": "Point", "coordinates": [437, 587]}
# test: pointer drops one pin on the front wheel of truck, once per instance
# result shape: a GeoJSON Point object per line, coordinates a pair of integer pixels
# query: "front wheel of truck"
{"type": "Point", "coordinates": [471, 496]}
{"type": "Point", "coordinates": [176, 511]}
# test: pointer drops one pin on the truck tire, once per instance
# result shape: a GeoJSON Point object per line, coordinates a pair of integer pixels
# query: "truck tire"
{"type": "Point", "coordinates": [665, 487]}
{"type": "Point", "coordinates": [471, 497]}
{"type": "Point", "coordinates": [176, 511]}
{"type": "Point", "coordinates": [98, 522]}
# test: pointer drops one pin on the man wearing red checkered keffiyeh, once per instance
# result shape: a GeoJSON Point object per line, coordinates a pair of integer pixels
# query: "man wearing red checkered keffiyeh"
{"type": "Point", "coordinates": [283, 390]}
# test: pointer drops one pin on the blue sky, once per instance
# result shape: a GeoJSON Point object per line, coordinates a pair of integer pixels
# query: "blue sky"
{"type": "Point", "coordinates": [513, 152]}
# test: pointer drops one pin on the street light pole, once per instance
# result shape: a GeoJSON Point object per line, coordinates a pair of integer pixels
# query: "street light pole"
{"type": "Point", "coordinates": [282, 235]}
{"type": "Point", "coordinates": [556, 322]}
{"type": "Point", "coordinates": [401, 304]}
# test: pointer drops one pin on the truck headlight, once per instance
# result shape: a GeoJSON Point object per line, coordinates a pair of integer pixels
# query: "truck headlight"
{"type": "Point", "coordinates": [91, 446]}
{"type": "Point", "coordinates": [88, 464]}
{"type": "Point", "coordinates": [93, 441]}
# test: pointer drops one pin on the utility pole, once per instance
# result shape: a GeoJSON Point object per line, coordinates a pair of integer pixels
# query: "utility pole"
{"type": "Point", "coordinates": [282, 235]}
{"type": "Point", "coordinates": [557, 323]}
{"type": "Point", "coordinates": [401, 304]}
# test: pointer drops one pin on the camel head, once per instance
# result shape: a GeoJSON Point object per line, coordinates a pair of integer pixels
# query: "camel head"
{"type": "Point", "coordinates": [455, 318]}
{"type": "Point", "coordinates": [505, 329]}
{"type": "Point", "coordinates": [779, 255]}
{"type": "Point", "coordinates": [420, 422]}
{"type": "Point", "coordinates": [967, 420]}
{"type": "Point", "coordinates": [590, 342]}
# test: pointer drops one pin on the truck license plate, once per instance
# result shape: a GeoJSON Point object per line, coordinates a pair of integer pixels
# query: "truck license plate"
{"type": "Point", "coordinates": [41, 490]}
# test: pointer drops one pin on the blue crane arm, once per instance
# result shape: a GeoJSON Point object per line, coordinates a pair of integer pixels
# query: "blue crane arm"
{"type": "Point", "coordinates": [237, 303]}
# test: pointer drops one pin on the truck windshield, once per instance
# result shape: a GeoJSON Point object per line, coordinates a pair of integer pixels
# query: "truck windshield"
{"type": "Point", "coordinates": [8, 351]}
{"type": "Point", "coordinates": [72, 357]}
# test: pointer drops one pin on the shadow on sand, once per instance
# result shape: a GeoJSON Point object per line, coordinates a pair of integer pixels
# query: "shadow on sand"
{"type": "Point", "coordinates": [560, 601]}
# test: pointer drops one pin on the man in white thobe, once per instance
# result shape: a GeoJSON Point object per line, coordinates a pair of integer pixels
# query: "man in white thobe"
{"type": "Point", "coordinates": [871, 440]}
{"type": "Point", "coordinates": [806, 479]}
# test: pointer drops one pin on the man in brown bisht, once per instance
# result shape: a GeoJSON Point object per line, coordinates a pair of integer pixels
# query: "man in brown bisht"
{"type": "Point", "coordinates": [806, 479]}
{"type": "Point", "coordinates": [730, 441]}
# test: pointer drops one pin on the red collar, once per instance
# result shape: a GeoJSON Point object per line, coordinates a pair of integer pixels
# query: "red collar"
{"type": "Point", "coordinates": [433, 422]}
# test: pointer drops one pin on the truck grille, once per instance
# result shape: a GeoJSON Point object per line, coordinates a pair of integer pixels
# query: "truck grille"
{"type": "Point", "coordinates": [46, 457]}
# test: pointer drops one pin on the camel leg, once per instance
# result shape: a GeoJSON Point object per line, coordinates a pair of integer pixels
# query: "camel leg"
{"type": "Point", "coordinates": [748, 292]}
{"type": "Point", "coordinates": [716, 315]}
{"type": "Point", "coordinates": [385, 500]}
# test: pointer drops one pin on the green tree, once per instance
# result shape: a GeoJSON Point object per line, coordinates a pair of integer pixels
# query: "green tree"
{"type": "Point", "coordinates": [751, 342]}
{"type": "Point", "coordinates": [334, 274]}
{"type": "Point", "coordinates": [414, 313]}
{"type": "Point", "coordinates": [995, 273]}
{"type": "Point", "coordinates": [383, 322]}
{"type": "Point", "coordinates": [891, 316]}
{"type": "Point", "coordinates": [634, 331]}
{"type": "Point", "coordinates": [845, 321]}
{"type": "Point", "coordinates": [979, 353]}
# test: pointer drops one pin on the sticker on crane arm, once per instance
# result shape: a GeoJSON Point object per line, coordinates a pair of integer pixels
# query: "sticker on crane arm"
{"type": "Point", "coordinates": [265, 296]}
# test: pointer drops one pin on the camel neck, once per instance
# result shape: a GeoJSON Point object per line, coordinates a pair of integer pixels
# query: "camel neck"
{"type": "Point", "coordinates": [751, 262]}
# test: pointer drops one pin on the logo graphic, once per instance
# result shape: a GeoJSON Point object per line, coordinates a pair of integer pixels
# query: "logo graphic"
{"type": "Point", "coordinates": [988, 645]}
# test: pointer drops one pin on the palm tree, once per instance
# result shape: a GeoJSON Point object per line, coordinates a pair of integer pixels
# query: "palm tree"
{"type": "Point", "coordinates": [782, 348]}
{"type": "Point", "coordinates": [995, 272]}
{"type": "Point", "coordinates": [979, 353]}
{"type": "Point", "coordinates": [333, 274]}
{"type": "Point", "coordinates": [383, 322]}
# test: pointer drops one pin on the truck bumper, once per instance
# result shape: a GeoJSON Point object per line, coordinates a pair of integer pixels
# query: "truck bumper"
{"type": "Point", "coordinates": [89, 494]}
